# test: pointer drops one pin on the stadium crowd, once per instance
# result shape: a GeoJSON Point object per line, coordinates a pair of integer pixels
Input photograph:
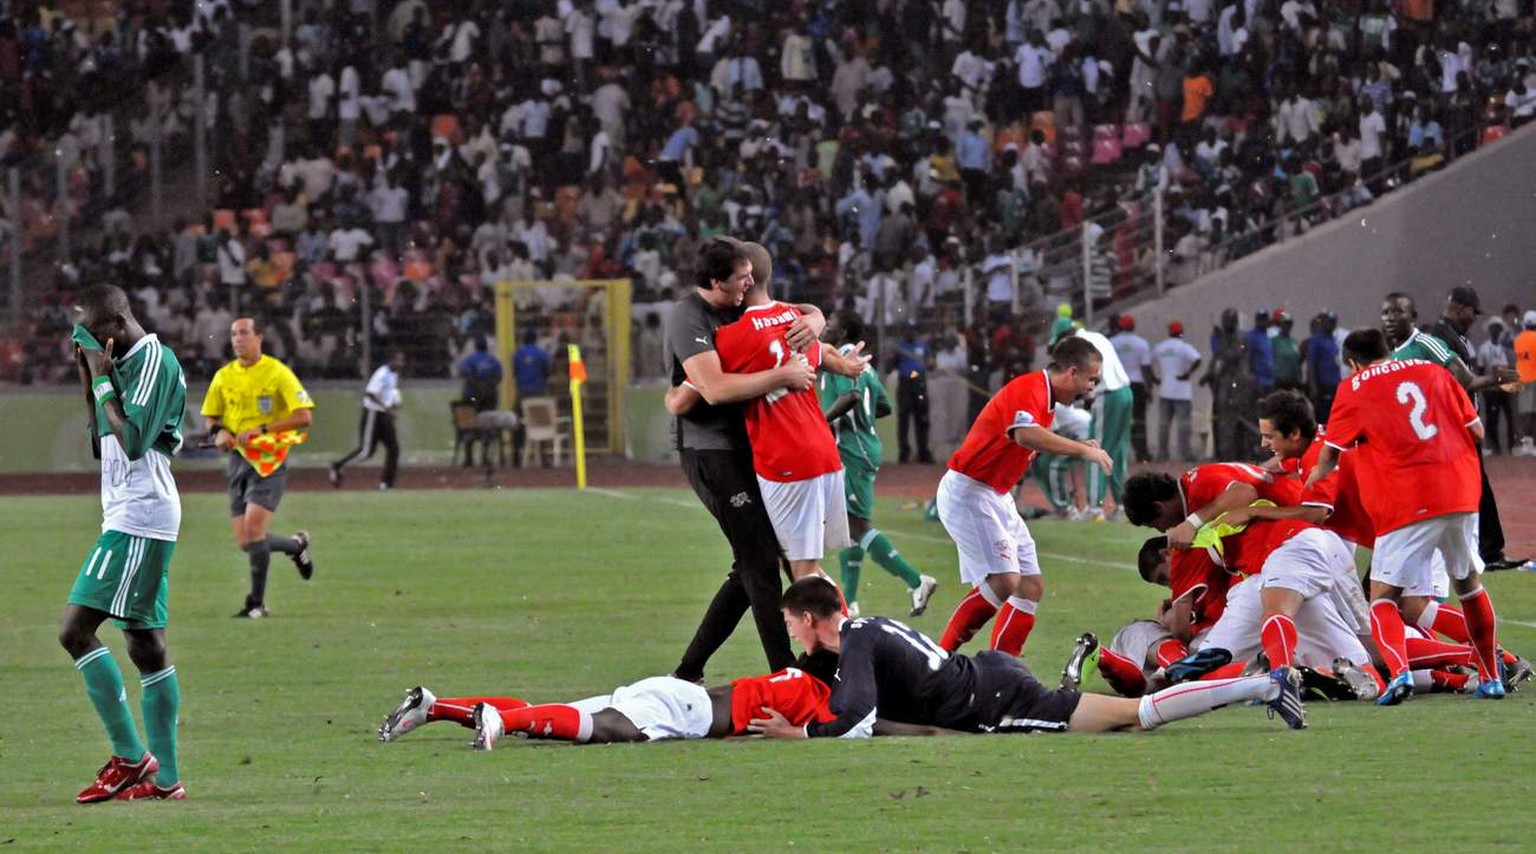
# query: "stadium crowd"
{"type": "Point", "coordinates": [884, 152]}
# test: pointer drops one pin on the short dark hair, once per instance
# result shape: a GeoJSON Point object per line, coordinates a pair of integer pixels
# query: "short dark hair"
{"type": "Point", "coordinates": [256, 324]}
{"type": "Point", "coordinates": [1074, 352]}
{"type": "Point", "coordinates": [1364, 346]}
{"type": "Point", "coordinates": [104, 300]}
{"type": "Point", "coordinates": [1151, 557]}
{"type": "Point", "coordinates": [814, 595]}
{"type": "Point", "coordinates": [851, 326]}
{"type": "Point", "coordinates": [1143, 492]}
{"type": "Point", "coordinates": [718, 258]}
{"type": "Point", "coordinates": [1290, 411]}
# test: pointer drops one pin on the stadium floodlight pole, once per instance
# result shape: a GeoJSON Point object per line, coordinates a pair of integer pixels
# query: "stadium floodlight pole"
{"type": "Point", "coordinates": [578, 372]}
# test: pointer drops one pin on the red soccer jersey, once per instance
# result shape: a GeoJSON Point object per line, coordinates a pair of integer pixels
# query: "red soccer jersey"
{"type": "Point", "coordinates": [1244, 552]}
{"type": "Point", "coordinates": [790, 437]}
{"type": "Point", "coordinates": [1338, 492]}
{"type": "Point", "coordinates": [989, 454]}
{"type": "Point", "coordinates": [1408, 422]}
{"type": "Point", "coordinates": [1192, 574]}
{"type": "Point", "coordinates": [798, 696]}
{"type": "Point", "coordinates": [1203, 484]}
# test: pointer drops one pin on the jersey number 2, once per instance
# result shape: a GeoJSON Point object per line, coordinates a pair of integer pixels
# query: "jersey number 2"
{"type": "Point", "coordinates": [1410, 393]}
{"type": "Point", "coordinates": [776, 347]}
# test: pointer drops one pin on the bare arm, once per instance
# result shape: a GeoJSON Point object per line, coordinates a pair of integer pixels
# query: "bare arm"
{"type": "Point", "coordinates": [1474, 383]}
{"type": "Point", "coordinates": [1313, 513]}
{"type": "Point", "coordinates": [1179, 619]}
{"type": "Point", "coordinates": [1327, 462]}
{"type": "Point", "coordinates": [97, 370]}
{"type": "Point", "coordinates": [1237, 495]}
{"type": "Point", "coordinates": [806, 328]}
{"type": "Point", "coordinates": [681, 399]}
{"type": "Point", "coordinates": [717, 387]}
{"type": "Point", "coordinates": [843, 405]}
{"type": "Point", "coordinates": [849, 366]}
{"type": "Point", "coordinates": [1044, 441]}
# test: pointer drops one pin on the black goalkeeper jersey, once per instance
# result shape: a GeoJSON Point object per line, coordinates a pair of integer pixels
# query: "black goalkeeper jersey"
{"type": "Point", "coordinates": [892, 671]}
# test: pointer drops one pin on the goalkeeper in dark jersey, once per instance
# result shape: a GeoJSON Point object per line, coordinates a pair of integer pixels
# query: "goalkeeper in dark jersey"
{"type": "Point", "coordinates": [896, 675]}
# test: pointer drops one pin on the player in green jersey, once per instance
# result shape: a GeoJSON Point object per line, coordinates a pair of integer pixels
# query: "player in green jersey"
{"type": "Point", "coordinates": [137, 395]}
{"type": "Point", "coordinates": [852, 405]}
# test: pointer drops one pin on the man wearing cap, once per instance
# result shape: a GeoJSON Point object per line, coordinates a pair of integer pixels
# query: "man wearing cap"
{"type": "Point", "coordinates": [1498, 404]}
{"type": "Point", "coordinates": [1176, 362]}
{"type": "Point", "coordinates": [1135, 354]}
{"type": "Point", "coordinates": [1320, 353]}
{"type": "Point", "coordinates": [1398, 313]}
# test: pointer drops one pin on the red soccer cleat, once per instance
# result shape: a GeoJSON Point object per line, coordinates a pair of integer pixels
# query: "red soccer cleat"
{"type": "Point", "coordinates": [146, 790]}
{"type": "Point", "coordinates": [116, 775]}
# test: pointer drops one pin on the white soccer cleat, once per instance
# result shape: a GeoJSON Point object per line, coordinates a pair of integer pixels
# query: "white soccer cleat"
{"type": "Point", "coordinates": [488, 726]}
{"type": "Point", "coordinates": [411, 713]}
{"type": "Point", "coordinates": [1361, 684]}
{"type": "Point", "coordinates": [922, 593]}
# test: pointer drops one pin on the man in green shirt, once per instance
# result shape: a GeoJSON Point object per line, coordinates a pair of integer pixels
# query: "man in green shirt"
{"type": "Point", "coordinates": [1287, 359]}
{"type": "Point", "coordinates": [852, 406]}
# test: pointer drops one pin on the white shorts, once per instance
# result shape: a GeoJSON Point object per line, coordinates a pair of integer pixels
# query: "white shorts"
{"type": "Point", "coordinates": [1439, 586]}
{"type": "Point", "coordinates": [1314, 563]}
{"type": "Point", "coordinates": [1138, 641]}
{"type": "Point", "coordinates": [986, 528]}
{"type": "Point", "coordinates": [661, 707]}
{"type": "Point", "coordinates": [1403, 558]}
{"type": "Point", "coordinates": [1324, 630]}
{"type": "Point", "coordinates": [809, 516]}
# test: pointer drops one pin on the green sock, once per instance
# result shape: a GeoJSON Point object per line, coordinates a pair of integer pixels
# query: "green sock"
{"type": "Point", "coordinates": [889, 559]}
{"type": "Point", "coordinates": [850, 561]}
{"type": "Point", "coordinates": [104, 685]}
{"type": "Point", "coordinates": [160, 705]}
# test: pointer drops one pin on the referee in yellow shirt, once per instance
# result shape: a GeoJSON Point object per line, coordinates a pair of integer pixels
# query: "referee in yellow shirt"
{"type": "Point", "coordinates": [256, 409]}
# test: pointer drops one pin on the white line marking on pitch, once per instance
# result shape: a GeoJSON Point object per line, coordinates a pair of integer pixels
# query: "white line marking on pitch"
{"type": "Point", "coordinates": [927, 538]}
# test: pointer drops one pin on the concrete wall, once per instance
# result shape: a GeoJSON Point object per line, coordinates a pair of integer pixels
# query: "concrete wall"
{"type": "Point", "coordinates": [1472, 224]}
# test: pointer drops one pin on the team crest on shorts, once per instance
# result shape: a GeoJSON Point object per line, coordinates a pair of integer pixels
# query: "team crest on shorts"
{"type": "Point", "coordinates": [264, 403]}
{"type": "Point", "coordinates": [1004, 550]}
{"type": "Point", "coordinates": [740, 500]}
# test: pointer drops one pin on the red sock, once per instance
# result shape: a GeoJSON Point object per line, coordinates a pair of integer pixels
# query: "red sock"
{"type": "Point", "coordinates": [1444, 680]}
{"type": "Point", "coordinates": [1013, 625]}
{"type": "Point", "coordinates": [555, 721]}
{"type": "Point", "coordinates": [1482, 624]}
{"type": "Point", "coordinates": [1388, 631]}
{"type": "Point", "coordinates": [1122, 674]}
{"type": "Point", "coordinates": [1446, 620]}
{"type": "Point", "coordinates": [1423, 653]}
{"type": "Point", "coordinates": [971, 614]}
{"type": "Point", "coordinates": [1226, 671]}
{"type": "Point", "coordinates": [1171, 650]}
{"type": "Point", "coordinates": [1279, 638]}
{"type": "Point", "coordinates": [460, 710]}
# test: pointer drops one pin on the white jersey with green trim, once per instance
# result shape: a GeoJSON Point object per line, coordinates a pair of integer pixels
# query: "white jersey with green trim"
{"type": "Point", "coordinates": [138, 492]}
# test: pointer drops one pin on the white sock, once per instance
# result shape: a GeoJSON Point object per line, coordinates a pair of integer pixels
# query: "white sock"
{"type": "Point", "coordinates": [1422, 682]}
{"type": "Point", "coordinates": [1196, 698]}
{"type": "Point", "coordinates": [989, 594]}
{"type": "Point", "coordinates": [584, 728]}
{"type": "Point", "coordinates": [1022, 605]}
{"type": "Point", "coordinates": [1426, 619]}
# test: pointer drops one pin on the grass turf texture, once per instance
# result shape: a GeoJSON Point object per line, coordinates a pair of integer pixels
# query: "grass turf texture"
{"type": "Point", "coordinates": [552, 596]}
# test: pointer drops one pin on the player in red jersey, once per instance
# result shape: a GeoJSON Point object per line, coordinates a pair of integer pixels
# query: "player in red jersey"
{"type": "Point", "coordinates": [654, 709]}
{"type": "Point", "coordinates": [975, 501]}
{"type": "Point", "coordinates": [1413, 425]}
{"type": "Point", "coordinates": [1288, 429]}
{"type": "Point", "coordinates": [794, 453]}
{"type": "Point", "coordinates": [1180, 507]}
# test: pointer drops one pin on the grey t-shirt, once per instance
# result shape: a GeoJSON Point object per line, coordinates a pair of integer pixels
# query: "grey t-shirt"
{"type": "Point", "coordinates": [691, 331]}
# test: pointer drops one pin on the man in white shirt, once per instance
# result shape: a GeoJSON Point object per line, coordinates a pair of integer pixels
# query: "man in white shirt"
{"type": "Point", "coordinates": [322, 88]}
{"type": "Point", "coordinates": [401, 91]}
{"type": "Point", "coordinates": [1111, 426]}
{"type": "Point", "coordinates": [1033, 59]}
{"type": "Point", "coordinates": [347, 244]}
{"type": "Point", "coordinates": [381, 398]}
{"type": "Point", "coordinates": [1135, 355]}
{"type": "Point", "coordinates": [1372, 128]}
{"type": "Point", "coordinates": [1176, 362]}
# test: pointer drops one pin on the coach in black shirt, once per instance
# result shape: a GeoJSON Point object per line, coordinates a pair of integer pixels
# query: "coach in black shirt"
{"type": "Point", "coordinates": [712, 442]}
{"type": "Point", "coordinates": [1462, 307]}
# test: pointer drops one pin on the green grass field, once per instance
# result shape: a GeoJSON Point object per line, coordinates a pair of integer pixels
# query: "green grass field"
{"type": "Point", "coordinates": [554, 595]}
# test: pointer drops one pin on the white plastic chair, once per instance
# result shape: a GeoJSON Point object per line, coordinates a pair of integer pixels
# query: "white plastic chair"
{"type": "Point", "coordinates": [541, 424]}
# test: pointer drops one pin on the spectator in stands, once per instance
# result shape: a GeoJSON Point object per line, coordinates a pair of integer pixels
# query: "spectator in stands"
{"type": "Point", "coordinates": [1498, 404]}
{"type": "Point", "coordinates": [481, 372]}
{"type": "Point", "coordinates": [911, 359]}
{"type": "Point", "coordinates": [1261, 353]}
{"type": "Point", "coordinates": [1287, 355]}
{"type": "Point", "coordinates": [1136, 357]}
{"type": "Point", "coordinates": [1176, 361]}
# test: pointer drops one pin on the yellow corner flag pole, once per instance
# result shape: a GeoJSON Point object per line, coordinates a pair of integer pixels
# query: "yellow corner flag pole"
{"type": "Point", "coordinates": [578, 376]}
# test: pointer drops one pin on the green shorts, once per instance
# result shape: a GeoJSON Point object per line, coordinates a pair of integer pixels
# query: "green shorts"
{"type": "Point", "coordinates": [126, 576]}
{"type": "Point", "coordinates": [859, 487]}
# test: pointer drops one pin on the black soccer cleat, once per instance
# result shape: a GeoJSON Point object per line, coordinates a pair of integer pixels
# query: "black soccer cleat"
{"type": "Point", "coordinates": [1197, 664]}
{"type": "Point", "coordinates": [1085, 652]}
{"type": "Point", "coordinates": [301, 558]}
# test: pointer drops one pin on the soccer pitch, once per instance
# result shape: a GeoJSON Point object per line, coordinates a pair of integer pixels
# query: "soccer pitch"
{"type": "Point", "coordinates": [554, 595]}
